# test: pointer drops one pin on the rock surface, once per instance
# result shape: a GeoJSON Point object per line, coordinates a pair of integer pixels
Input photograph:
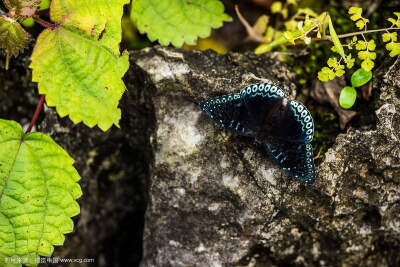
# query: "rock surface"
{"type": "Point", "coordinates": [214, 199]}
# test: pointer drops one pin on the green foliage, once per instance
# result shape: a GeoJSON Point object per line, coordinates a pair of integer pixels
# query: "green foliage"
{"type": "Point", "coordinates": [393, 46]}
{"type": "Point", "coordinates": [360, 21]}
{"type": "Point", "coordinates": [13, 38]}
{"type": "Point", "coordinates": [347, 97]}
{"type": "Point", "coordinates": [22, 8]}
{"type": "Point", "coordinates": [335, 39]}
{"type": "Point", "coordinates": [395, 22]}
{"type": "Point", "coordinates": [348, 94]}
{"type": "Point", "coordinates": [44, 4]}
{"type": "Point", "coordinates": [38, 189]}
{"type": "Point", "coordinates": [360, 77]}
{"type": "Point", "coordinates": [77, 65]}
{"type": "Point", "coordinates": [177, 21]}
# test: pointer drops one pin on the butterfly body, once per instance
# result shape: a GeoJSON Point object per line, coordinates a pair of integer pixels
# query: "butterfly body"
{"type": "Point", "coordinates": [284, 127]}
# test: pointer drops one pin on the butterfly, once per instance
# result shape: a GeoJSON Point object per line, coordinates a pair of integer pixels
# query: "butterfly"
{"type": "Point", "coordinates": [284, 127]}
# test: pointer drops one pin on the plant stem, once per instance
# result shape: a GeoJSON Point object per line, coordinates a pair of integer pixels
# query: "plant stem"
{"type": "Point", "coordinates": [364, 32]}
{"type": "Point", "coordinates": [36, 115]}
{"type": "Point", "coordinates": [44, 23]}
{"type": "Point", "coordinates": [252, 35]}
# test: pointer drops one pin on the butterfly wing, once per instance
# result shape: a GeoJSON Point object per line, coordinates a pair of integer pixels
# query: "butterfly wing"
{"type": "Point", "coordinates": [260, 100]}
{"type": "Point", "coordinates": [294, 158]}
{"type": "Point", "coordinates": [298, 125]}
{"type": "Point", "coordinates": [229, 112]}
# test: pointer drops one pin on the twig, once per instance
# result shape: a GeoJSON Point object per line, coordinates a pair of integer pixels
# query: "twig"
{"type": "Point", "coordinates": [363, 32]}
{"type": "Point", "coordinates": [36, 115]}
{"type": "Point", "coordinates": [44, 23]}
{"type": "Point", "coordinates": [250, 31]}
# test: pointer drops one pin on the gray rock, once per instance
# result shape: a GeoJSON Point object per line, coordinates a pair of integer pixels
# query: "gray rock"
{"type": "Point", "coordinates": [216, 200]}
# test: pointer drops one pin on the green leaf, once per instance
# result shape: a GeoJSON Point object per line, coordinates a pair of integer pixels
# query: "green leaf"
{"type": "Point", "coordinates": [371, 45]}
{"type": "Point", "coordinates": [394, 48]}
{"type": "Point", "coordinates": [289, 37]}
{"type": "Point", "coordinates": [360, 24]}
{"type": "Point", "coordinates": [347, 97]}
{"type": "Point", "coordinates": [323, 76]}
{"type": "Point", "coordinates": [178, 21]}
{"type": "Point", "coordinates": [340, 72]}
{"type": "Point", "coordinates": [332, 61]}
{"type": "Point", "coordinates": [363, 54]}
{"type": "Point", "coordinates": [355, 10]}
{"type": "Point", "coordinates": [367, 64]}
{"type": "Point", "coordinates": [350, 61]}
{"type": "Point", "coordinates": [335, 39]}
{"type": "Point", "coordinates": [80, 74]}
{"type": "Point", "coordinates": [28, 23]}
{"type": "Point", "coordinates": [392, 20]}
{"type": "Point", "coordinates": [276, 7]}
{"type": "Point", "coordinates": [99, 19]}
{"type": "Point", "coordinates": [393, 36]}
{"type": "Point", "coordinates": [44, 4]}
{"type": "Point", "coordinates": [360, 77]}
{"type": "Point", "coordinates": [22, 8]}
{"type": "Point", "coordinates": [386, 37]}
{"type": "Point", "coordinates": [38, 189]}
{"type": "Point", "coordinates": [13, 38]}
{"type": "Point", "coordinates": [361, 45]}
{"type": "Point", "coordinates": [355, 17]}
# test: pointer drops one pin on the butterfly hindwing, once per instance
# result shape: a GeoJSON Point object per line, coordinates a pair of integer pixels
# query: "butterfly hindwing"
{"type": "Point", "coordinates": [294, 158]}
{"type": "Point", "coordinates": [229, 112]}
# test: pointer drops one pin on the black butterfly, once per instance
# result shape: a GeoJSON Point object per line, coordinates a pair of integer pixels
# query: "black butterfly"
{"type": "Point", "coordinates": [284, 127]}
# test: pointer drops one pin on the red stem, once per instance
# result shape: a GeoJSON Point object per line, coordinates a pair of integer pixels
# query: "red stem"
{"type": "Point", "coordinates": [36, 115]}
{"type": "Point", "coordinates": [44, 23]}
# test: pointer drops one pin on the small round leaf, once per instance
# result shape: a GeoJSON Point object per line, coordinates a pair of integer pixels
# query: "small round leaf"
{"type": "Point", "coordinates": [347, 97]}
{"type": "Point", "coordinates": [360, 77]}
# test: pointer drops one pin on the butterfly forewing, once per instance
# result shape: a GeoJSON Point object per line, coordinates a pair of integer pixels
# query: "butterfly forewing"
{"type": "Point", "coordinates": [229, 112]}
{"type": "Point", "coordinates": [298, 124]}
{"type": "Point", "coordinates": [260, 99]}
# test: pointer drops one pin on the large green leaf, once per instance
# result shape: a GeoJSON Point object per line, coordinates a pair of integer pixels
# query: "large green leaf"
{"type": "Point", "coordinates": [177, 21]}
{"type": "Point", "coordinates": [78, 64]}
{"type": "Point", "coordinates": [38, 189]}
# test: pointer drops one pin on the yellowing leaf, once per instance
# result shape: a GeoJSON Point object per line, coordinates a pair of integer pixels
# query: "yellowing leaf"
{"type": "Point", "coordinates": [371, 45]}
{"type": "Point", "coordinates": [13, 38]}
{"type": "Point", "coordinates": [386, 37]}
{"type": "Point", "coordinates": [290, 25]}
{"type": "Point", "coordinates": [80, 70]}
{"type": "Point", "coordinates": [276, 7]}
{"type": "Point", "coordinates": [367, 65]}
{"type": "Point", "coordinates": [289, 37]}
{"type": "Point", "coordinates": [355, 17]}
{"type": "Point", "coordinates": [361, 45]}
{"type": "Point", "coordinates": [355, 10]}
{"type": "Point", "coordinates": [39, 188]}
{"type": "Point", "coordinates": [332, 61]}
{"type": "Point", "coordinates": [261, 24]}
{"type": "Point", "coordinates": [100, 20]}
{"type": "Point", "coordinates": [393, 35]}
{"type": "Point", "coordinates": [360, 24]}
{"type": "Point", "coordinates": [22, 8]}
{"type": "Point", "coordinates": [323, 76]}
{"type": "Point", "coordinates": [178, 21]}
